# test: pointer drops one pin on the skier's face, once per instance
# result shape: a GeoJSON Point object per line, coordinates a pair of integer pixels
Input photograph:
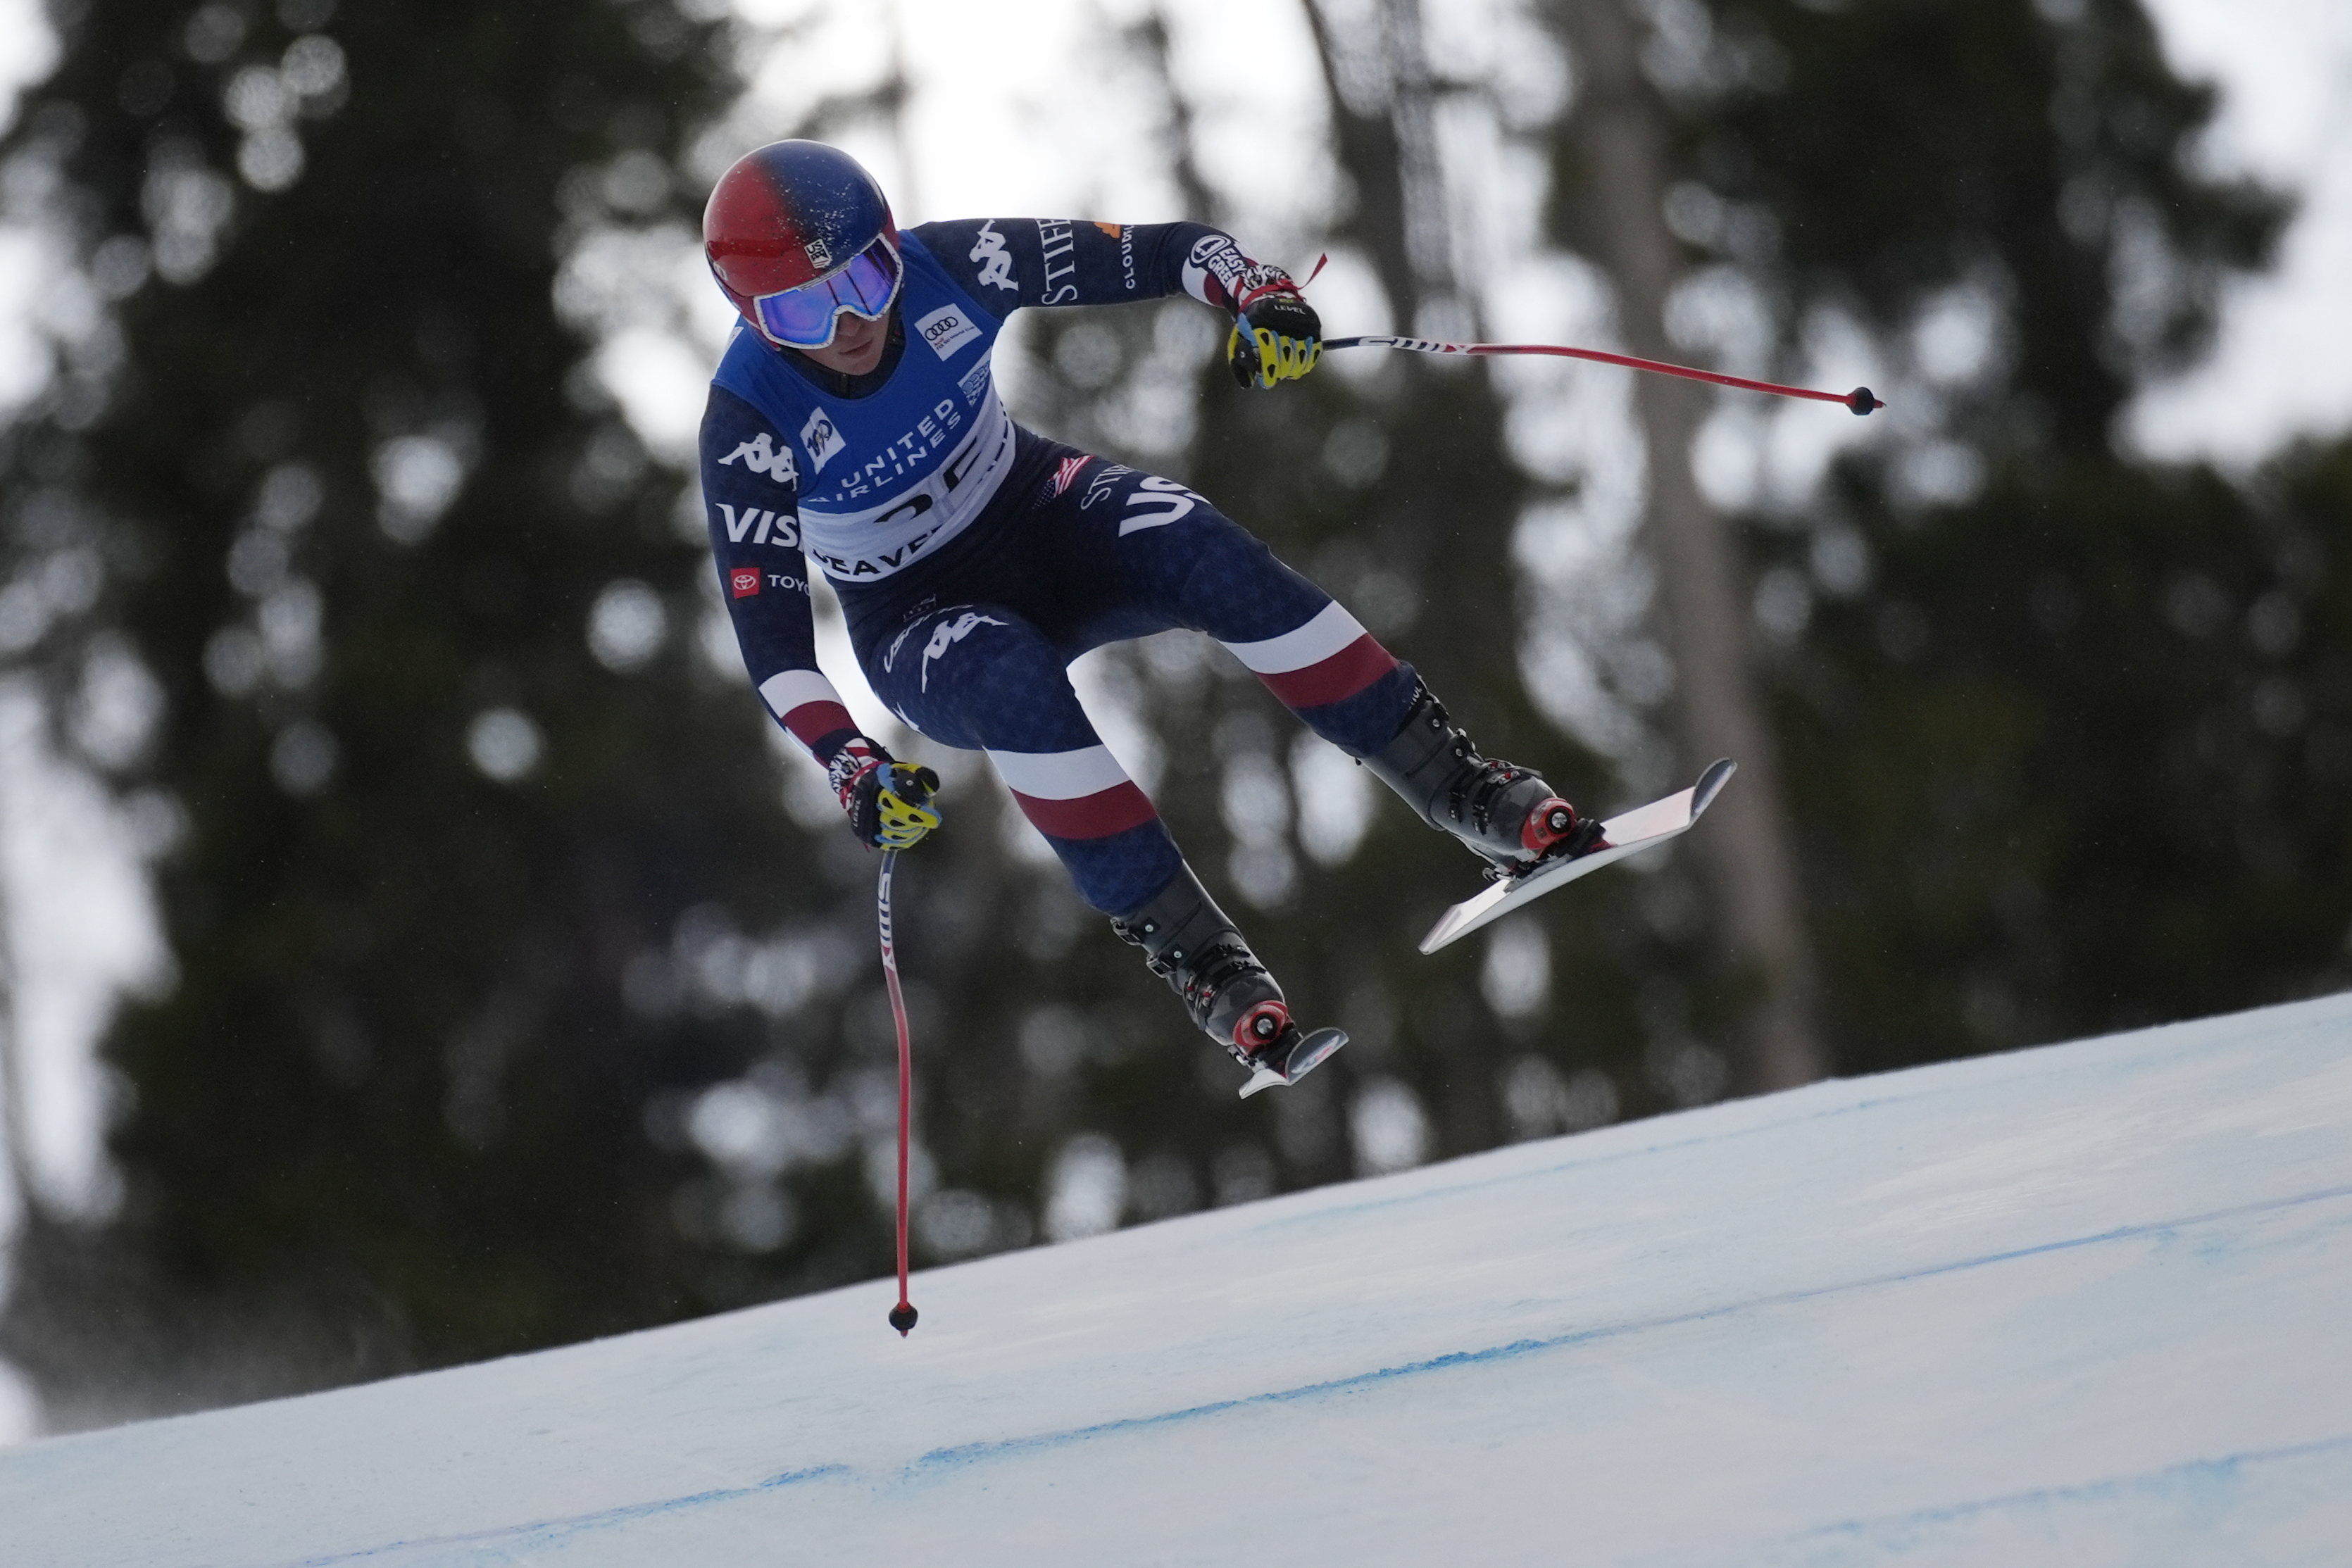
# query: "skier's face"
{"type": "Point", "coordinates": [857, 346]}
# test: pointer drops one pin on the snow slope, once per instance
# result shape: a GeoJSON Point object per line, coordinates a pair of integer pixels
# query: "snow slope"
{"type": "Point", "coordinates": [2085, 1305]}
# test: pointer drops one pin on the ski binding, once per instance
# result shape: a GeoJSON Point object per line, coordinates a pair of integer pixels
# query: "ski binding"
{"type": "Point", "coordinates": [1628, 833]}
{"type": "Point", "coordinates": [1305, 1053]}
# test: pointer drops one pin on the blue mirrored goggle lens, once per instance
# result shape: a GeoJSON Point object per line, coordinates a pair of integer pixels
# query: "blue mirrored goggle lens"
{"type": "Point", "coordinates": [803, 317]}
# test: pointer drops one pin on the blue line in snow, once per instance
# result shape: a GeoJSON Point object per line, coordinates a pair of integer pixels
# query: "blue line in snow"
{"type": "Point", "coordinates": [555, 1529]}
{"type": "Point", "coordinates": [975, 1453]}
{"type": "Point", "coordinates": [2223, 1468]}
{"type": "Point", "coordinates": [968, 1454]}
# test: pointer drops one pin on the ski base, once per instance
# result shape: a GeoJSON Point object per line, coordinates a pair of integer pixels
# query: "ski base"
{"type": "Point", "coordinates": [1299, 1061]}
{"type": "Point", "coordinates": [1628, 833]}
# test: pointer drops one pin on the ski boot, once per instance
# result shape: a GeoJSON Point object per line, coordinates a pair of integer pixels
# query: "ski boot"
{"type": "Point", "coordinates": [1188, 941]}
{"type": "Point", "coordinates": [1508, 815]}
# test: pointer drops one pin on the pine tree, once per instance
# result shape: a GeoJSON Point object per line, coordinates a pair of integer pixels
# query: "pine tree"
{"type": "Point", "coordinates": [2058, 722]}
{"type": "Point", "coordinates": [452, 769]}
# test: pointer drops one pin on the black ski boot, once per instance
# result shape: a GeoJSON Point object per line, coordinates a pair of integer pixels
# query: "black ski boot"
{"type": "Point", "coordinates": [1189, 942]}
{"type": "Point", "coordinates": [1509, 815]}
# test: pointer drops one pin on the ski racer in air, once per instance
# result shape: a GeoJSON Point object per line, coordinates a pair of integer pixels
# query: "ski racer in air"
{"type": "Point", "coordinates": [853, 423]}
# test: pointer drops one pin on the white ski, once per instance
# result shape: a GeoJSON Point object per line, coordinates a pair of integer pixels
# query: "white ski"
{"type": "Point", "coordinates": [1628, 833]}
{"type": "Point", "coordinates": [1305, 1054]}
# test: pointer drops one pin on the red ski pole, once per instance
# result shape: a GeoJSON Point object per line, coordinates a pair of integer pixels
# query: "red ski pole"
{"type": "Point", "coordinates": [1859, 400]}
{"type": "Point", "coordinates": [903, 1315]}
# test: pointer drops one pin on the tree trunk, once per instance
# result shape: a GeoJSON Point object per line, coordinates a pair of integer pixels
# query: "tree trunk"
{"type": "Point", "coordinates": [1745, 849]}
{"type": "Point", "coordinates": [1371, 151]}
{"type": "Point", "coordinates": [15, 1121]}
{"type": "Point", "coordinates": [15, 1124]}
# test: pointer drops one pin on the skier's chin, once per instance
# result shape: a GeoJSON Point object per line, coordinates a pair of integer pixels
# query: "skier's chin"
{"type": "Point", "coordinates": [855, 351]}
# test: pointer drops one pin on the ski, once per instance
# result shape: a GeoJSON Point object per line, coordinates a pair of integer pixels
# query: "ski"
{"type": "Point", "coordinates": [1628, 833]}
{"type": "Point", "coordinates": [1301, 1057]}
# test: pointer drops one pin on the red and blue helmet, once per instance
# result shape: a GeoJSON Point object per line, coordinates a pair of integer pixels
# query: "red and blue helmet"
{"type": "Point", "coordinates": [796, 233]}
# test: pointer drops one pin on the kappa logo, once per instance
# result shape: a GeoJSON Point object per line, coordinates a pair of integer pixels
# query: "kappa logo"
{"type": "Point", "coordinates": [995, 261]}
{"type": "Point", "coordinates": [946, 330]}
{"type": "Point", "coordinates": [743, 581]}
{"type": "Point", "coordinates": [760, 454]}
{"type": "Point", "coordinates": [948, 633]}
{"type": "Point", "coordinates": [822, 439]}
{"type": "Point", "coordinates": [1167, 499]}
{"type": "Point", "coordinates": [919, 612]}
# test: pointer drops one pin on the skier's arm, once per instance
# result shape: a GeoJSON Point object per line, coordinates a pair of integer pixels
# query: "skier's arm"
{"type": "Point", "coordinates": [1006, 263]}
{"type": "Point", "coordinates": [750, 492]}
{"type": "Point", "coordinates": [1073, 262]}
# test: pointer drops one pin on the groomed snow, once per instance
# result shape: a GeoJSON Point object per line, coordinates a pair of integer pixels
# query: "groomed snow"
{"type": "Point", "coordinates": [2085, 1305]}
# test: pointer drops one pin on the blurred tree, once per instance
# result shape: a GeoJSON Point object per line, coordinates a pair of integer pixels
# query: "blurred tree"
{"type": "Point", "coordinates": [2055, 767]}
{"type": "Point", "coordinates": [457, 789]}
{"type": "Point", "coordinates": [1748, 848]}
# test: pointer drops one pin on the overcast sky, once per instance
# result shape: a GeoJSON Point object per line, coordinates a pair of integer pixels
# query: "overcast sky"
{"type": "Point", "coordinates": [2283, 368]}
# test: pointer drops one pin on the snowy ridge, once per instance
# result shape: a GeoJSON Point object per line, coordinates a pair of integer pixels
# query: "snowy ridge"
{"type": "Point", "coordinates": [2079, 1305]}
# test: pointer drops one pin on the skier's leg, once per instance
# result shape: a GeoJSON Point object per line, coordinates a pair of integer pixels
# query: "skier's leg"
{"type": "Point", "coordinates": [1349, 689]}
{"type": "Point", "coordinates": [982, 677]}
{"type": "Point", "coordinates": [1137, 554]}
{"type": "Point", "coordinates": [1194, 946]}
{"type": "Point", "coordinates": [1504, 812]}
{"type": "Point", "coordinates": [1173, 554]}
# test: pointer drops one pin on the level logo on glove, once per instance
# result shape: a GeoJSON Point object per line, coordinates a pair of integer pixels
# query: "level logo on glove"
{"type": "Point", "coordinates": [889, 801]}
{"type": "Point", "coordinates": [1277, 335]}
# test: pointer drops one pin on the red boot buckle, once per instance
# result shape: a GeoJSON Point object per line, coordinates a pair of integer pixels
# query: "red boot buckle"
{"type": "Point", "coordinates": [1261, 1027]}
{"type": "Point", "coordinates": [1551, 821]}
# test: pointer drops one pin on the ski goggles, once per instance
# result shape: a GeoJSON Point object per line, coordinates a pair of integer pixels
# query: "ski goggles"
{"type": "Point", "coordinates": [803, 318]}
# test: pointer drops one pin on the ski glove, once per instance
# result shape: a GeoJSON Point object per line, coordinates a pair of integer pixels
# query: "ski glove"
{"type": "Point", "coordinates": [1277, 335]}
{"type": "Point", "coordinates": [889, 801]}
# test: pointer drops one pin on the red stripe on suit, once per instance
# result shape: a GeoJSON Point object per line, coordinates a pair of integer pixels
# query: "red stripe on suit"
{"type": "Point", "coordinates": [811, 722]}
{"type": "Point", "coordinates": [1095, 816]}
{"type": "Point", "coordinates": [1343, 675]}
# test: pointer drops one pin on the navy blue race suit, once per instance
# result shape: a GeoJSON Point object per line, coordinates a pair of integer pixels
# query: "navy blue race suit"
{"type": "Point", "coordinates": [975, 560]}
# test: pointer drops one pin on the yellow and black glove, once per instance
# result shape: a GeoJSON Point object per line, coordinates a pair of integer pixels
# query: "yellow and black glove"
{"type": "Point", "coordinates": [889, 801]}
{"type": "Point", "coordinates": [1277, 335]}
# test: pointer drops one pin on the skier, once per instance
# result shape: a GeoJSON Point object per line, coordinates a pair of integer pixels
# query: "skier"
{"type": "Point", "coordinates": [853, 422]}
